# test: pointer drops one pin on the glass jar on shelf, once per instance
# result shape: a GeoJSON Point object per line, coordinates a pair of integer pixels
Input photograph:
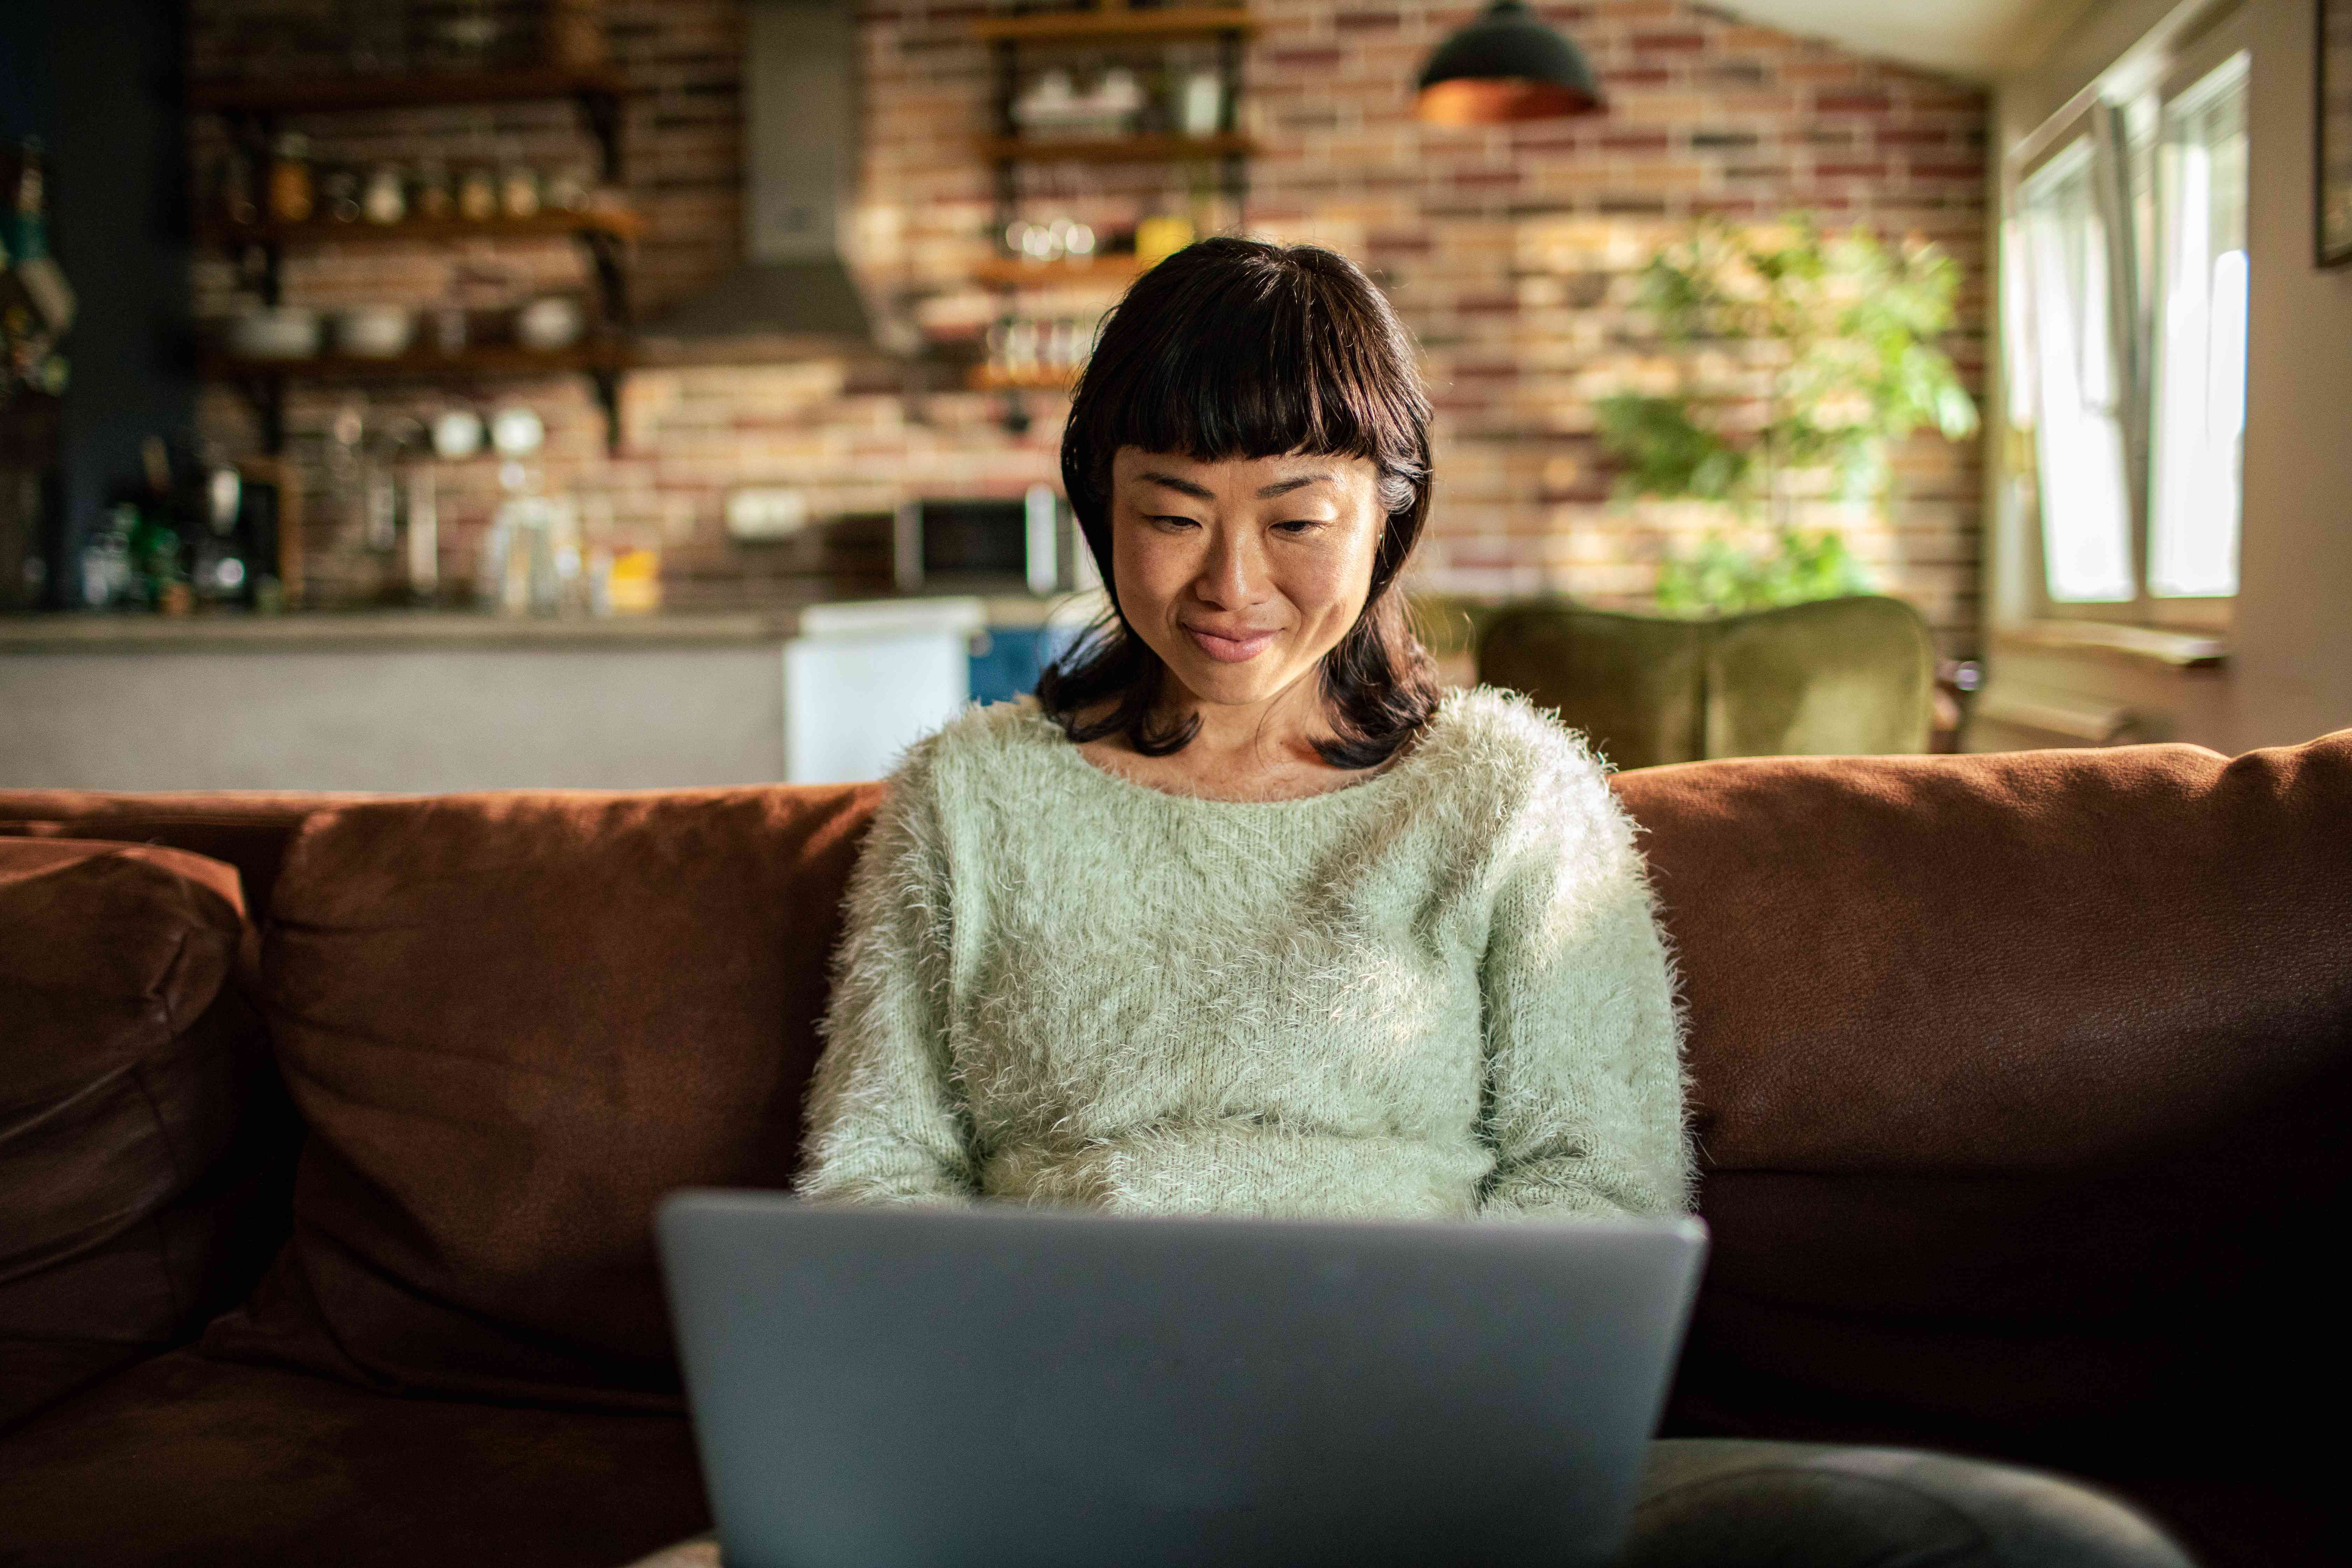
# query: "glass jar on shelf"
{"type": "Point", "coordinates": [429, 197]}
{"type": "Point", "coordinates": [292, 196]}
{"type": "Point", "coordinates": [383, 200]}
{"type": "Point", "coordinates": [338, 193]}
{"type": "Point", "coordinates": [517, 187]}
{"type": "Point", "coordinates": [478, 193]}
{"type": "Point", "coordinates": [570, 188]}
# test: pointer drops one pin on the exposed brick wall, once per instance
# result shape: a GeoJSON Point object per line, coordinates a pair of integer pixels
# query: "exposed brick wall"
{"type": "Point", "coordinates": [1510, 253]}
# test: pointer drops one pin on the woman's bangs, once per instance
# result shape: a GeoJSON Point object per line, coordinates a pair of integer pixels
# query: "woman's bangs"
{"type": "Point", "coordinates": [1259, 384]}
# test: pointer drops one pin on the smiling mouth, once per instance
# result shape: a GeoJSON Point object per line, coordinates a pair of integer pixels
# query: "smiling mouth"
{"type": "Point", "coordinates": [1231, 649]}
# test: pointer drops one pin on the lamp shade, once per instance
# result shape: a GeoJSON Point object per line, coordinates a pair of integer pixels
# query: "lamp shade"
{"type": "Point", "coordinates": [1506, 66]}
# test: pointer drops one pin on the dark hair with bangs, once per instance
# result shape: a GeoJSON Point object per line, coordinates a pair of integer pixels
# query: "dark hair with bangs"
{"type": "Point", "coordinates": [1233, 348]}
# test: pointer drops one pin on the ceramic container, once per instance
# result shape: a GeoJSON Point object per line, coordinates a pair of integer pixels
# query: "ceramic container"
{"type": "Point", "coordinates": [553, 322]}
{"type": "Point", "coordinates": [286, 331]}
{"type": "Point", "coordinates": [373, 332]}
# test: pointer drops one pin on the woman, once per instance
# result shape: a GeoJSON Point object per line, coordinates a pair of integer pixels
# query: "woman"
{"type": "Point", "coordinates": [1242, 916]}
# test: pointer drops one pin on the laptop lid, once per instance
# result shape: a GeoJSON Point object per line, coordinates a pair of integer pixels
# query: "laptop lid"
{"type": "Point", "coordinates": [993, 1387]}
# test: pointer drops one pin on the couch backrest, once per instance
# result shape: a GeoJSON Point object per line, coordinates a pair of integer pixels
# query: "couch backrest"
{"type": "Point", "coordinates": [2017, 1080]}
{"type": "Point", "coordinates": [247, 829]}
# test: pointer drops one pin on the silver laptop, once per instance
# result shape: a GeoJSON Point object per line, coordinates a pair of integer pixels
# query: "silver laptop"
{"type": "Point", "coordinates": [1011, 1388]}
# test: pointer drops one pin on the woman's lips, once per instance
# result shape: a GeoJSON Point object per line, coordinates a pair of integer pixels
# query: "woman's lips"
{"type": "Point", "coordinates": [1231, 647]}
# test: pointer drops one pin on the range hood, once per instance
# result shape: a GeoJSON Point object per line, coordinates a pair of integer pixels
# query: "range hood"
{"type": "Point", "coordinates": [792, 293]}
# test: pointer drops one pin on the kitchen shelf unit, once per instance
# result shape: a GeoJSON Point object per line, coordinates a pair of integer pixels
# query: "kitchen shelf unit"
{"type": "Point", "coordinates": [260, 249]}
{"type": "Point", "coordinates": [253, 110]}
{"type": "Point", "coordinates": [1006, 148]}
{"type": "Point", "coordinates": [264, 381]}
{"type": "Point", "coordinates": [255, 107]}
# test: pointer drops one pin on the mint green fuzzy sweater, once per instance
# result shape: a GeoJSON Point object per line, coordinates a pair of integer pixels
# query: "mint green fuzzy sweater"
{"type": "Point", "coordinates": [1441, 992]}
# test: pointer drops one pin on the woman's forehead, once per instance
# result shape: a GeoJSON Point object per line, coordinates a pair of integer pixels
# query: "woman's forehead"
{"type": "Point", "coordinates": [1287, 470]}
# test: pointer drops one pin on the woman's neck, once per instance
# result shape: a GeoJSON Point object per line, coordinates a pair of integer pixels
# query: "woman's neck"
{"type": "Point", "coordinates": [1259, 751]}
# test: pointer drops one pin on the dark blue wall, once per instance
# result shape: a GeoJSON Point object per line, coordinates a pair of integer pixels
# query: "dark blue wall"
{"type": "Point", "coordinates": [99, 81]}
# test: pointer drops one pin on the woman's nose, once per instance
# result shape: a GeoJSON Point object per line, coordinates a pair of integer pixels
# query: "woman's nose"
{"type": "Point", "coordinates": [1231, 575]}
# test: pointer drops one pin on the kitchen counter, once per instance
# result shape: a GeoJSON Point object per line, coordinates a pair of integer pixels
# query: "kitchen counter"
{"type": "Point", "coordinates": [104, 632]}
{"type": "Point", "coordinates": [96, 633]}
{"type": "Point", "coordinates": [425, 701]}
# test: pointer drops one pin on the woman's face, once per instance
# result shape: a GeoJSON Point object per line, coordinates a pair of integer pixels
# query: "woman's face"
{"type": "Point", "coordinates": [1242, 574]}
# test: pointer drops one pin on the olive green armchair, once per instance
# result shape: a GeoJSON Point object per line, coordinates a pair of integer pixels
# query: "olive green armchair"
{"type": "Point", "coordinates": [1835, 676]}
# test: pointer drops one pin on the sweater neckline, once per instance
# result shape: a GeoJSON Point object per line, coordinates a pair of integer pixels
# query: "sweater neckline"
{"type": "Point", "coordinates": [1051, 734]}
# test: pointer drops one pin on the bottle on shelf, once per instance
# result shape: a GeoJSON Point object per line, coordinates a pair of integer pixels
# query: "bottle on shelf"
{"type": "Point", "coordinates": [159, 543]}
{"type": "Point", "coordinates": [518, 185]}
{"type": "Point", "coordinates": [292, 196]}
{"type": "Point", "coordinates": [421, 551]}
{"type": "Point", "coordinates": [1201, 105]}
{"type": "Point", "coordinates": [105, 562]}
{"type": "Point", "coordinates": [221, 571]}
{"type": "Point", "coordinates": [36, 304]}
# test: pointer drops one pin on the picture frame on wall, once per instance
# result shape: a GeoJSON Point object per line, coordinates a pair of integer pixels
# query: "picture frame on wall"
{"type": "Point", "coordinates": [2332, 154]}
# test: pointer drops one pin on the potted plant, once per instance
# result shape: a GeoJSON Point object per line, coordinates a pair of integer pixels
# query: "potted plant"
{"type": "Point", "coordinates": [1796, 352]}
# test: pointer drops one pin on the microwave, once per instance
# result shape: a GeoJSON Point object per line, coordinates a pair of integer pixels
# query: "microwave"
{"type": "Point", "coordinates": [1027, 544]}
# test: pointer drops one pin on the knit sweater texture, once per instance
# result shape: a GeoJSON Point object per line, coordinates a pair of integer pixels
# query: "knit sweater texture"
{"type": "Point", "coordinates": [1439, 993]}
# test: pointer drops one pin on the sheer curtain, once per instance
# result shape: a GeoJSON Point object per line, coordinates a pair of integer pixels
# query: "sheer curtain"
{"type": "Point", "coordinates": [2079, 382]}
{"type": "Point", "coordinates": [2200, 390]}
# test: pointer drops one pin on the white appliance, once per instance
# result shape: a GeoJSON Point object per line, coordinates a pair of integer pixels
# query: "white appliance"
{"type": "Point", "coordinates": [863, 680]}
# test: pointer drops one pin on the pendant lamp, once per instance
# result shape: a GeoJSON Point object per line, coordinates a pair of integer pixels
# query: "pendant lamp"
{"type": "Point", "coordinates": [1506, 66]}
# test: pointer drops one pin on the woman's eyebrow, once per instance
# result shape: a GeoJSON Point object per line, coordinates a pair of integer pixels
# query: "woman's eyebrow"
{"type": "Point", "coordinates": [1284, 487]}
{"type": "Point", "coordinates": [1186, 485]}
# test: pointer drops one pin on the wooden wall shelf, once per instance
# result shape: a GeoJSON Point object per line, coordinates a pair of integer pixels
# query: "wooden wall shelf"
{"type": "Point", "coordinates": [489, 362]}
{"type": "Point", "coordinates": [1097, 27]}
{"type": "Point", "coordinates": [266, 379]}
{"type": "Point", "coordinates": [1022, 378]}
{"type": "Point", "coordinates": [334, 94]}
{"type": "Point", "coordinates": [256, 106]}
{"type": "Point", "coordinates": [1115, 149]}
{"type": "Point", "coordinates": [548, 224]}
{"type": "Point", "coordinates": [1011, 272]}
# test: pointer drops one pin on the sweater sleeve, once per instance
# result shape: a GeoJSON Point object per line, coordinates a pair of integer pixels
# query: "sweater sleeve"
{"type": "Point", "coordinates": [887, 1120]}
{"type": "Point", "coordinates": [1584, 1087]}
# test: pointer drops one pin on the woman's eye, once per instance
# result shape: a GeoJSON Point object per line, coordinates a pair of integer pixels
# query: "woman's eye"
{"type": "Point", "coordinates": [1176, 522]}
{"type": "Point", "coordinates": [1298, 527]}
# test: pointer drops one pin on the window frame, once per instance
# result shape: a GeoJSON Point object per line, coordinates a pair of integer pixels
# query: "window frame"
{"type": "Point", "coordinates": [2214, 51]}
{"type": "Point", "coordinates": [2123, 117]}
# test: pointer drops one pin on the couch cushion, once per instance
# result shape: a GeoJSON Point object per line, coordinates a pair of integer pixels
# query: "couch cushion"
{"type": "Point", "coordinates": [126, 1060]}
{"type": "Point", "coordinates": [512, 1023]}
{"type": "Point", "coordinates": [2018, 1081]}
{"type": "Point", "coordinates": [183, 1462]}
{"type": "Point", "coordinates": [247, 829]}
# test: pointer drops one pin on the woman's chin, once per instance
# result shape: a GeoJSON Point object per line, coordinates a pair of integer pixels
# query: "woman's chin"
{"type": "Point", "coordinates": [1229, 685]}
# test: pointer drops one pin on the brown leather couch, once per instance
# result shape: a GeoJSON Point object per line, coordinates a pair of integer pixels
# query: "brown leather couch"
{"type": "Point", "coordinates": [328, 1131]}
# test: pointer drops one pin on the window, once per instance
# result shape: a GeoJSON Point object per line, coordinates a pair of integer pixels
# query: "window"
{"type": "Point", "coordinates": [2126, 259]}
{"type": "Point", "coordinates": [2200, 343]}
